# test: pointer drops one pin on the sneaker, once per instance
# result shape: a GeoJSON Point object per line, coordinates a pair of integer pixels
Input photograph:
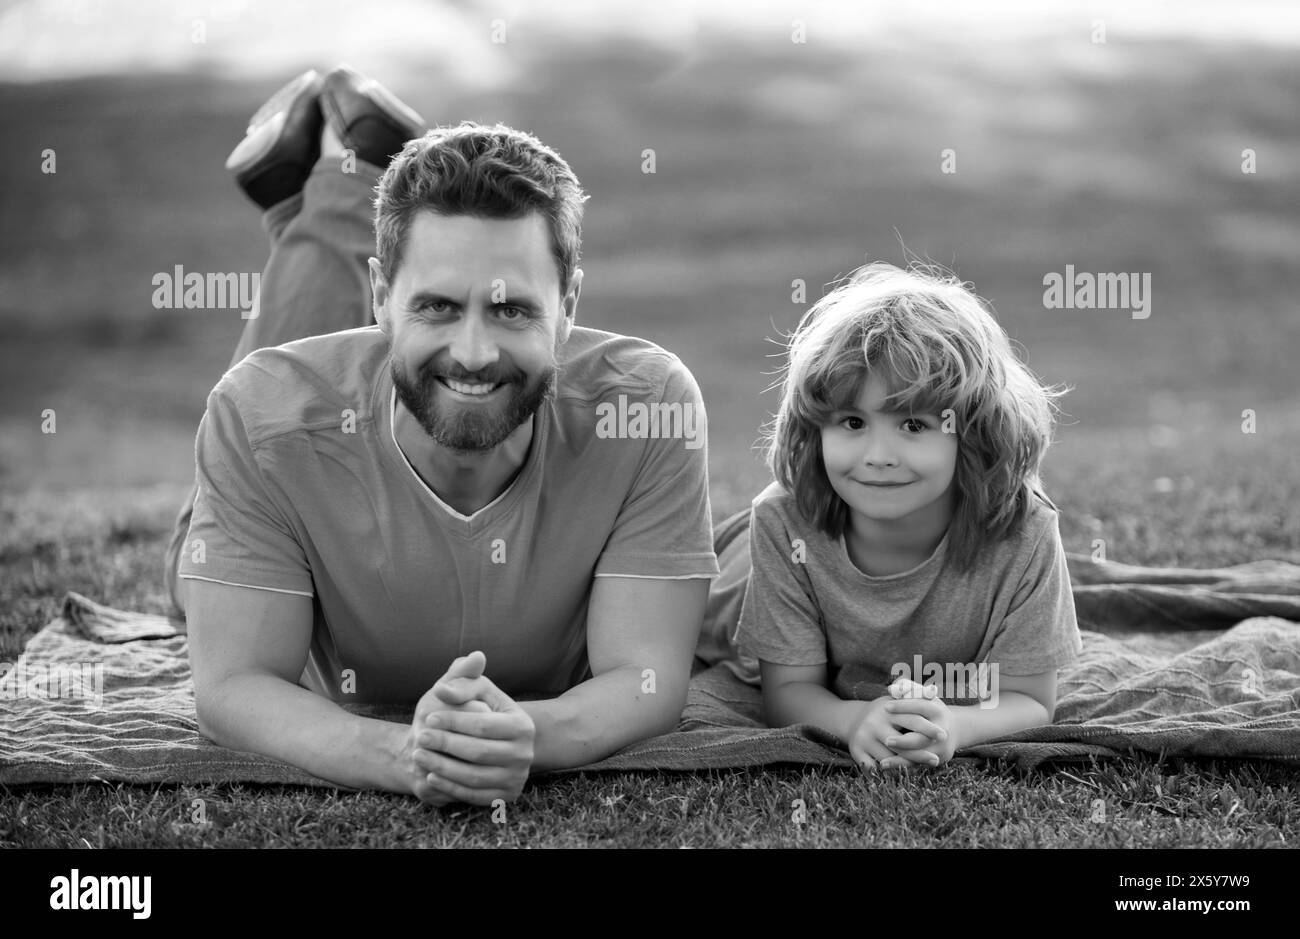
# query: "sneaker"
{"type": "Point", "coordinates": [273, 161]}
{"type": "Point", "coordinates": [368, 118]}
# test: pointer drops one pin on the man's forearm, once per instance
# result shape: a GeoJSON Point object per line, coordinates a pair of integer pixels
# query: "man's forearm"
{"type": "Point", "coordinates": [268, 715]}
{"type": "Point", "coordinates": [603, 714]}
{"type": "Point", "coordinates": [1015, 711]}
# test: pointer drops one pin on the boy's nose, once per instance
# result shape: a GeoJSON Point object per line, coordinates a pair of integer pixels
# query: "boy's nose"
{"type": "Point", "coordinates": [878, 453]}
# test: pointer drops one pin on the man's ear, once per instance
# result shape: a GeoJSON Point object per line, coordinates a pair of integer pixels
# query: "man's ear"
{"type": "Point", "coordinates": [569, 306]}
{"type": "Point", "coordinates": [379, 295]}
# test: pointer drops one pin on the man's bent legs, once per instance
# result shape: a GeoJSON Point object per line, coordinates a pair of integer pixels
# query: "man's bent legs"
{"type": "Point", "coordinates": [315, 282]}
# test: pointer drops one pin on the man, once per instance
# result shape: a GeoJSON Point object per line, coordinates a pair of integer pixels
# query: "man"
{"type": "Point", "coordinates": [436, 510]}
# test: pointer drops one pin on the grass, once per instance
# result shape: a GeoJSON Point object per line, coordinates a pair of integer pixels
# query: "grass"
{"type": "Point", "coordinates": [759, 182]}
{"type": "Point", "coordinates": [108, 545]}
{"type": "Point", "coordinates": [1127, 804]}
{"type": "Point", "coordinates": [765, 174]}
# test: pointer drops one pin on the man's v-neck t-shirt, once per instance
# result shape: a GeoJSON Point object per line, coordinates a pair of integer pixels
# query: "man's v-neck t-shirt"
{"type": "Point", "coordinates": [303, 489]}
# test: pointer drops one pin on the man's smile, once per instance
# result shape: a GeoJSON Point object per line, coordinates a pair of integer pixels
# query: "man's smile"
{"type": "Point", "coordinates": [471, 389]}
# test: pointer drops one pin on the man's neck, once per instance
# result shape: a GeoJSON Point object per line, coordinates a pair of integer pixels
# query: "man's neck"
{"type": "Point", "coordinates": [465, 481]}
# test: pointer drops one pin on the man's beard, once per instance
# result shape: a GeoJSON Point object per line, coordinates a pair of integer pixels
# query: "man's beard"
{"type": "Point", "coordinates": [471, 428]}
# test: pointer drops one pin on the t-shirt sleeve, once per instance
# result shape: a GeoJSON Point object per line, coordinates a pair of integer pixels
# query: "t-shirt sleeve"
{"type": "Point", "coordinates": [664, 527]}
{"type": "Point", "coordinates": [779, 620]}
{"type": "Point", "coordinates": [1039, 632]}
{"type": "Point", "coordinates": [239, 534]}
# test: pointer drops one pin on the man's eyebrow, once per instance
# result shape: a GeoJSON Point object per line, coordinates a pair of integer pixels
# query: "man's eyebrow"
{"type": "Point", "coordinates": [518, 299]}
{"type": "Point", "coordinates": [421, 297]}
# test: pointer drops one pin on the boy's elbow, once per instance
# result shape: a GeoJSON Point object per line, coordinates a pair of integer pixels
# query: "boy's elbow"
{"type": "Point", "coordinates": [776, 710]}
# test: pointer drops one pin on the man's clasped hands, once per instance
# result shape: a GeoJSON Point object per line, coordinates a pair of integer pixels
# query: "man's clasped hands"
{"type": "Point", "coordinates": [469, 740]}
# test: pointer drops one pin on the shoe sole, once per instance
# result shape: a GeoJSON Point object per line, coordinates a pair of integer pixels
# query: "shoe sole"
{"type": "Point", "coordinates": [390, 112]}
{"type": "Point", "coordinates": [278, 104]}
{"type": "Point", "coordinates": [283, 99]}
{"type": "Point", "coordinates": [397, 110]}
{"type": "Point", "coordinates": [270, 166]}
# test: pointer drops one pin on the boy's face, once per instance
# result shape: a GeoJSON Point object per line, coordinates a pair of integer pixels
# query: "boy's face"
{"type": "Point", "coordinates": [863, 447]}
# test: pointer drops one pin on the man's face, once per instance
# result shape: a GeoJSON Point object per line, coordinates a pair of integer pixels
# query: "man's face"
{"type": "Point", "coordinates": [862, 446]}
{"type": "Point", "coordinates": [474, 318]}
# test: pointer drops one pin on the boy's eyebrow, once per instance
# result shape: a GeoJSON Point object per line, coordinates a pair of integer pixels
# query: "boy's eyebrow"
{"type": "Point", "coordinates": [890, 412]}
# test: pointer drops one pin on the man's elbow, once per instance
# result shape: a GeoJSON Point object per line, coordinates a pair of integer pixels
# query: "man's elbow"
{"type": "Point", "coordinates": [667, 700]}
{"type": "Point", "coordinates": [209, 708]}
{"type": "Point", "coordinates": [209, 722]}
{"type": "Point", "coordinates": [669, 712]}
{"type": "Point", "coordinates": [207, 727]}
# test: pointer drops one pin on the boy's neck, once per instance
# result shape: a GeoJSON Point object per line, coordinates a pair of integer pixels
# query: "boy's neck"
{"type": "Point", "coordinates": [909, 540]}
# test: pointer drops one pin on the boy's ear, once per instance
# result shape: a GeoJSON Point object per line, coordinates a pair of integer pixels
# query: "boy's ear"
{"type": "Point", "coordinates": [379, 295]}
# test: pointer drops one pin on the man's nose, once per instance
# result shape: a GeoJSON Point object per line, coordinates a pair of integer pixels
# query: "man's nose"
{"type": "Point", "coordinates": [473, 347]}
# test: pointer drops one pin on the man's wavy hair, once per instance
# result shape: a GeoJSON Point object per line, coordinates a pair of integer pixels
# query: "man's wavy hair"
{"type": "Point", "coordinates": [492, 172]}
{"type": "Point", "coordinates": [936, 347]}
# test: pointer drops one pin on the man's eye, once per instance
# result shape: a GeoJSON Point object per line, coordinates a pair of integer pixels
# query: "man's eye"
{"type": "Point", "coordinates": [512, 313]}
{"type": "Point", "coordinates": [435, 306]}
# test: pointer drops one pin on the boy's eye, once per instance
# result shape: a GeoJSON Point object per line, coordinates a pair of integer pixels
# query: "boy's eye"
{"type": "Point", "coordinates": [913, 425]}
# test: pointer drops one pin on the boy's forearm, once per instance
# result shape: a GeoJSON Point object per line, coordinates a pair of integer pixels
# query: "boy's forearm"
{"type": "Point", "coordinates": [268, 715]}
{"type": "Point", "coordinates": [801, 702]}
{"type": "Point", "coordinates": [973, 724]}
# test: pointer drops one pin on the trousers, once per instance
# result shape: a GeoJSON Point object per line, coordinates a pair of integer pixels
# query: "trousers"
{"type": "Point", "coordinates": [316, 281]}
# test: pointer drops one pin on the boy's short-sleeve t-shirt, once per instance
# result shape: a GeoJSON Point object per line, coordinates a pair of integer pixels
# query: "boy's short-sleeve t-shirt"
{"type": "Point", "coordinates": [303, 489]}
{"type": "Point", "coordinates": [806, 603]}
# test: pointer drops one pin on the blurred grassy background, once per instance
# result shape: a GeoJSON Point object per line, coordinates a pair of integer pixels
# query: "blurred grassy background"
{"type": "Point", "coordinates": [775, 161]}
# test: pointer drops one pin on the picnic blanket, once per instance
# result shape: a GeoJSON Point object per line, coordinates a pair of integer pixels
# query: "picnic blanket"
{"type": "Point", "coordinates": [1175, 661]}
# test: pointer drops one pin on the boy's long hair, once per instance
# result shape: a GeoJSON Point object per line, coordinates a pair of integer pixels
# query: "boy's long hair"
{"type": "Point", "coordinates": [937, 348]}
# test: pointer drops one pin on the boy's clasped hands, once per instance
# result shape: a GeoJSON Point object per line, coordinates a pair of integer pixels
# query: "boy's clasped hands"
{"type": "Point", "coordinates": [911, 727]}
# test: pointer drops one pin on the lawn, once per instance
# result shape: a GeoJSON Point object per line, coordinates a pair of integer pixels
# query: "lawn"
{"type": "Point", "coordinates": [771, 166]}
{"type": "Point", "coordinates": [1222, 508]}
